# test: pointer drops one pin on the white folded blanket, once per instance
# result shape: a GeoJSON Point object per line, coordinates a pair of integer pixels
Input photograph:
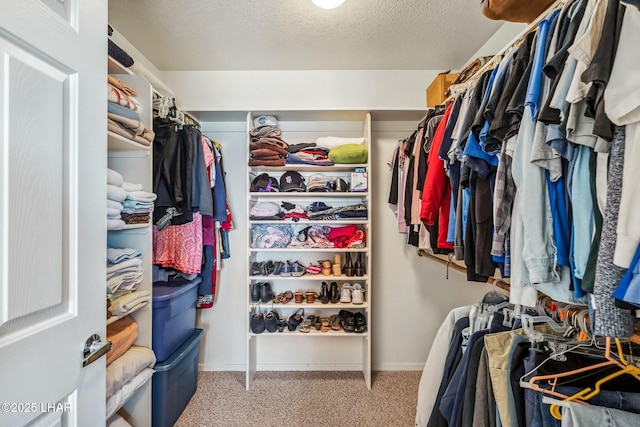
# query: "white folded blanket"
{"type": "Point", "coordinates": [335, 141]}
{"type": "Point", "coordinates": [141, 196]}
{"type": "Point", "coordinates": [127, 366]}
{"type": "Point", "coordinates": [113, 213]}
{"type": "Point", "coordinates": [127, 186]}
{"type": "Point", "coordinates": [114, 178]}
{"type": "Point", "coordinates": [129, 303]}
{"type": "Point", "coordinates": [117, 194]}
{"type": "Point", "coordinates": [126, 265]}
{"type": "Point", "coordinates": [112, 204]}
{"type": "Point", "coordinates": [126, 281]}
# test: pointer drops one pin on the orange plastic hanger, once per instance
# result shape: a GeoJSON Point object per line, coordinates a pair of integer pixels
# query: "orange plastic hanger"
{"type": "Point", "coordinates": [588, 393]}
{"type": "Point", "coordinates": [553, 378]}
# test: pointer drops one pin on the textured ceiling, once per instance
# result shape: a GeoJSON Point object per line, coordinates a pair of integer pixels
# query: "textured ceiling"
{"type": "Point", "coordinates": [297, 35]}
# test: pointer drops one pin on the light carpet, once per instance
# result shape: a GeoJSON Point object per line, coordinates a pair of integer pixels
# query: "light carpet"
{"type": "Point", "coordinates": [303, 399]}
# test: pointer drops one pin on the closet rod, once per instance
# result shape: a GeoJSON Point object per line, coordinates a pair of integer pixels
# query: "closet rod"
{"type": "Point", "coordinates": [498, 56]}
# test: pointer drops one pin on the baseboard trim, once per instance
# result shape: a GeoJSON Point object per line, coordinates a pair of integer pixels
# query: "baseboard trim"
{"type": "Point", "coordinates": [397, 367]}
{"type": "Point", "coordinates": [312, 367]}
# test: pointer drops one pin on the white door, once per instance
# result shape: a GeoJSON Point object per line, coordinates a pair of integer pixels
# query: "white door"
{"type": "Point", "coordinates": [53, 155]}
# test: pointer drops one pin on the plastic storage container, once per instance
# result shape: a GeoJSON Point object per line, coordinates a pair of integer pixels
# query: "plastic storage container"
{"type": "Point", "coordinates": [175, 381]}
{"type": "Point", "coordinates": [174, 316]}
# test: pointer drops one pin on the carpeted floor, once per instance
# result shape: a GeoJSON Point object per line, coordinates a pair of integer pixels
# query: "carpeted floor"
{"type": "Point", "coordinates": [303, 399]}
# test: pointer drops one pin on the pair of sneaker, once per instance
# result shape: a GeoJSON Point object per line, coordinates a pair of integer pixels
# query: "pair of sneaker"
{"type": "Point", "coordinates": [295, 269]}
{"type": "Point", "coordinates": [352, 293]}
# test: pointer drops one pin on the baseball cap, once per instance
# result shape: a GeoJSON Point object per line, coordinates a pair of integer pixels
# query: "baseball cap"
{"type": "Point", "coordinates": [292, 181]}
{"type": "Point", "coordinates": [261, 121]}
{"type": "Point", "coordinates": [319, 182]}
{"type": "Point", "coordinates": [263, 183]}
{"type": "Point", "coordinates": [339, 185]}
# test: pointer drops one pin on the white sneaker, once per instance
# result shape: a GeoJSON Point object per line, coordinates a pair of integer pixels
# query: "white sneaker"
{"type": "Point", "coordinates": [345, 294]}
{"type": "Point", "coordinates": [357, 294]}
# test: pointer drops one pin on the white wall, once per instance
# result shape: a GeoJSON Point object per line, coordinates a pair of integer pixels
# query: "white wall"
{"type": "Point", "coordinates": [411, 295]}
{"type": "Point", "coordinates": [298, 90]}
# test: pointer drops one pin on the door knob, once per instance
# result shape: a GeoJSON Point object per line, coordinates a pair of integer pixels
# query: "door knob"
{"type": "Point", "coordinates": [94, 349]}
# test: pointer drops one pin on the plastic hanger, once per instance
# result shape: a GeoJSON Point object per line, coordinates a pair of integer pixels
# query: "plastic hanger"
{"type": "Point", "coordinates": [588, 393]}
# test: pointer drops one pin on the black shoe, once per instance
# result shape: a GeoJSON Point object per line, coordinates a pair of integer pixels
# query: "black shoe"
{"type": "Point", "coordinates": [256, 291]}
{"type": "Point", "coordinates": [360, 323]}
{"type": "Point", "coordinates": [257, 323]}
{"type": "Point", "coordinates": [268, 268]}
{"type": "Point", "coordinates": [271, 321]}
{"type": "Point", "coordinates": [324, 293]}
{"type": "Point", "coordinates": [335, 293]}
{"type": "Point", "coordinates": [266, 293]}
{"type": "Point", "coordinates": [349, 321]}
{"type": "Point", "coordinates": [277, 267]}
{"type": "Point", "coordinates": [295, 319]}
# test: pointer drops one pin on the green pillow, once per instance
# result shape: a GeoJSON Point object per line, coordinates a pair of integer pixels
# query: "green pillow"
{"type": "Point", "coordinates": [349, 154]}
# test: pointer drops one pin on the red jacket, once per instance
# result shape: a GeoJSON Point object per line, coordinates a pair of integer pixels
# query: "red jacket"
{"type": "Point", "coordinates": [436, 194]}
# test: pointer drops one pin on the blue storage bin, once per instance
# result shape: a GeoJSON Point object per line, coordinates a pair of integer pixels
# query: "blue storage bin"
{"type": "Point", "coordinates": [175, 382]}
{"type": "Point", "coordinates": [174, 316]}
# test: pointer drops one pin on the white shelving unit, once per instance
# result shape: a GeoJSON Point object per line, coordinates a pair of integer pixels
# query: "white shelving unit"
{"type": "Point", "coordinates": [134, 162]}
{"type": "Point", "coordinates": [306, 127]}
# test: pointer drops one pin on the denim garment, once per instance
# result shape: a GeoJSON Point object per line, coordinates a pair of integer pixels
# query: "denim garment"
{"type": "Point", "coordinates": [577, 415]}
{"type": "Point", "coordinates": [629, 288]}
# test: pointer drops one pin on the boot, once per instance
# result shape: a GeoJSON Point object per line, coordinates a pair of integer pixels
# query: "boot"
{"type": "Point", "coordinates": [335, 293]}
{"type": "Point", "coordinates": [348, 266]}
{"type": "Point", "coordinates": [324, 293]}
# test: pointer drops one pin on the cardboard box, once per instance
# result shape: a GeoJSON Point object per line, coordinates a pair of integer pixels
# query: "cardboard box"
{"type": "Point", "coordinates": [437, 89]}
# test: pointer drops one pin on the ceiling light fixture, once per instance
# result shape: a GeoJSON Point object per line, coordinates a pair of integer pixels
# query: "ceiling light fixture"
{"type": "Point", "coordinates": [328, 4]}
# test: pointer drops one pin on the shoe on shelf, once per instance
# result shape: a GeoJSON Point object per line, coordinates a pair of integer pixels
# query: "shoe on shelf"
{"type": "Point", "coordinates": [277, 267]}
{"type": "Point", "coordinates": [313, 269]}
{"type": "Point", "coordinates": [360, 323]}
{"type": "Point", "coordinates": [336, 322]}
{"type": "Point", "coordinates": [324, 293]}
{"type": "Point", "coordinates": [357, 294]}
{"type": "Point", "coordinates": [256, 291]}
{"type": "Point", "coordinates": [295, 319]}
{"type": "Point", "coordinates": [268, 268]}
{"type": "Point", "coordinates": [257, 323]}
{"type": "Point", "coordinates": [345, 294]}
{"type": "Point", "coordinates": [266, 293]}
{"type": "Point", "coordinates": [271, 321]}
{"type": "Point", "coordinates": [334, 293]}
{"type": "Point", "coordinates": [297, 269]}
{"type": "Point", "coordinates": [256, 268]}
{"type": "Point", "coordinates": [286, 269]}
{"type": "Point", "coordinates": [348, 320]}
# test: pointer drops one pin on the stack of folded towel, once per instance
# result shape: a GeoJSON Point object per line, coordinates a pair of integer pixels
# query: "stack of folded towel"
{"type": "Point", "coordinates": [267, 147]}
{"type": "Point", "coordinates": [124, 272]}
{"type": "Point", "coordinates": [115, 196]}
{"type": "Point", "coordinates": [127, 203]}
{"type": "Point", "coordinates": [138, 205]}
{"type": "Point", "coordinates": [123, 117]}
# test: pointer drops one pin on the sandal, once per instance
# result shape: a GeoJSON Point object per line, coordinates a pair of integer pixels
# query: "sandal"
{"type": "Point", "coordinates": [295, 319]}
{"type": "Point", "coordinates": [336, 322]}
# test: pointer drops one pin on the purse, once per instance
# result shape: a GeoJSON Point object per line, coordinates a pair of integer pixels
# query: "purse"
{"type": "Point", "coordinates": [514, 10]}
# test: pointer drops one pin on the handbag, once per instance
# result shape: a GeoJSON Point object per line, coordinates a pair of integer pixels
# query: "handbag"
{"type": "Point", "coordinates": [514, 10]}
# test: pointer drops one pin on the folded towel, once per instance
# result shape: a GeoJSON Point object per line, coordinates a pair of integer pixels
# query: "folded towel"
{"type": "Point", "coordinates": [118, 255]}
{"type": "Point", "coordinates": [112, 204]}
{"type": "Point", "coordinates": [127, 186]}
{"type": "Point", "coordinates": [135, 126]}
{"type": "Point", "coordinates": [141, 196]}
{"type": "Point", "coordinates": [135, 204]}
{"type": "Point", "coordinates": [114, 178]}
{"type": "Point", "coordinates": [131, 302]}
{"type": "Point", "coordinates": [136, 218]}
{"type": "Point", "coordinates": [113, 213]}
{"type": "Point", "coordinates": [123, 111]}
{"type": "Point", "coordinates": [116, 194]}
{"type": "Point", "coordinates": [125, 281]}
{"type": "Point", "coordinates": [116, 95]}
{"type": "Point", "coordinates": [114, 217]}
{"type": "Point", "coordinates": [115, 224]}
{"type": "Point", "coordinates": [125, 265]}
{"type": "Point", "coordinates": [114, 81]}
{"type": "Point", "coordinates": [117, 128]}
{"type": "Point", "coordinates": [146, 210]}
